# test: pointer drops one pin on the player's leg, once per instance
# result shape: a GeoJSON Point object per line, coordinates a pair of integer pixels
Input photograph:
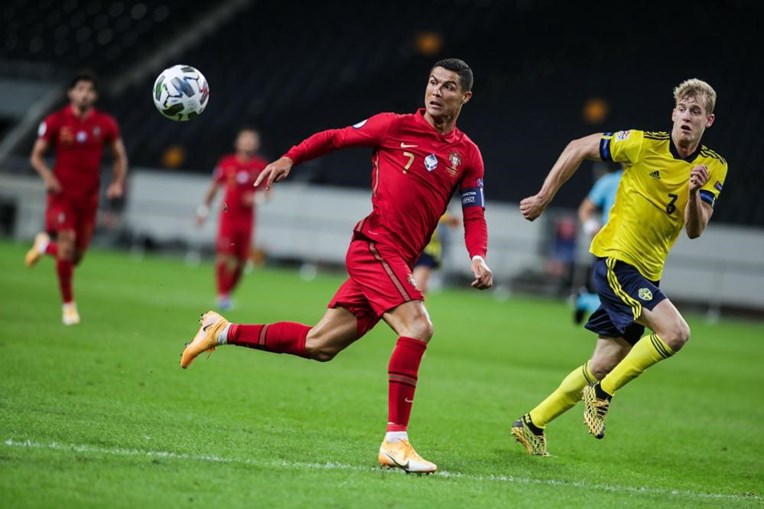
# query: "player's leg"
{"type": "Point", "coordinates": [422, 276]}
{"type": "Point", "coordinates": [529, 430]}
{"type": "Point", "coordinates": [670, 333]}
{"type": "Point", "coordinates": [241, 254]}
{"type": "Point", "coordinates": [224, 249]}
{"type": "Point", "coordinates": [340, 326]}
{"type": "Point", "coordinates": [629, 298]}
{"type": "Point", "coordinates": [65, 240]}
{"type": "Point", "coordinates": [411, 322]}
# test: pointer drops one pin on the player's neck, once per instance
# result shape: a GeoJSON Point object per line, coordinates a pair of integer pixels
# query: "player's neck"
{"type": "Point", "coordinates": [244, 157]}
{"type": "Point", "coordinates": [81, 112]}
{"type": "Point", "coordinates": [442, 124]}
{"type": "Point", "coordinates": [685, 149]}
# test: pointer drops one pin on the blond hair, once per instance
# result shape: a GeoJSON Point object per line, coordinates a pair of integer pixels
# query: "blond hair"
{"type": "Point", "coordinates": [695, 88]}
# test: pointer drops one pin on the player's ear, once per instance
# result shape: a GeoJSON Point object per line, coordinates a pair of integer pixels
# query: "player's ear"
{"type": "Point", "coordinates": [710, 120]}
{"type": "Point", "coordinates": [466, 97]}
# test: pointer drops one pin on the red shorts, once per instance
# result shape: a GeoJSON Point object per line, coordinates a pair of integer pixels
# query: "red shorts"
{"type": "Point", "coordinates": [67, 213]}
{"type": "Point", "coordinates": [380, 280]}
{"type": "Point", "coordinates": [234, 238]}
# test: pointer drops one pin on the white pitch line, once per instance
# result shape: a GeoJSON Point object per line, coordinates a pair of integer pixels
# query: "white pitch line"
{"type": "Point", "coordinates": [330, 465]}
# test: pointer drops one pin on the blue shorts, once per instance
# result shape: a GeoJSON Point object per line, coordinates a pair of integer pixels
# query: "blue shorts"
{"type": "Point", "coordinates": [623, 292]}
{"type": "Point", "coordinates": [427, 260]}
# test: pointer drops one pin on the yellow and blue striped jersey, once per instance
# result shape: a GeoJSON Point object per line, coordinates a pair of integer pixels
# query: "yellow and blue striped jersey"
{"type": "Point", "coordinates": [648, 214]}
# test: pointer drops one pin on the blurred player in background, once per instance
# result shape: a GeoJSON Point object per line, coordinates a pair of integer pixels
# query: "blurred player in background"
{"type": "Point", "coordinates": [670, 182]}
{"type": "Point", "coordinates": [78, 133]}
{"type": "Point", "coordinates": [593, 213]}
{"type": "Point", "coordinates": [418, 161]}
{"type": "Point", "coordinates": [432, 256]}
{"type": "Point", "coordinates": [237, 173]}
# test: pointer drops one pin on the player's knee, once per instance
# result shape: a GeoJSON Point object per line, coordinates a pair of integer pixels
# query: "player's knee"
{"type": "Point", "coordinates": [602, 365]}
{"type": "Point", "coordinates": [65, 251]}
{"type": "Point", "coordinates": [677, 335]}
{"type": "Point", "coordinates": [420, 328]}
{"type": "Point", "coordinates": [321, 353]}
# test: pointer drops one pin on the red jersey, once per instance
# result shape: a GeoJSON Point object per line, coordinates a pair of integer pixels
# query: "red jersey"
{"type": "Point", "coordinates": [415, 171]}
{"type": "Point", "coordinates": [79, 146]}
{"type": "Point", "coordinates": [238, 177]}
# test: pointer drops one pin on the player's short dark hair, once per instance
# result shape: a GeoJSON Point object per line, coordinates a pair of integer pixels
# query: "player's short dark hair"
{"type": "Point", "coordinates": [461, 68]}
{"type": "Point", "coordinates": [84, 75]}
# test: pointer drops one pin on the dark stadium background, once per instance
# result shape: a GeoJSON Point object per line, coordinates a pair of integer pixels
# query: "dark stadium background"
{"type": "Point", "coordinates": [292, 67]}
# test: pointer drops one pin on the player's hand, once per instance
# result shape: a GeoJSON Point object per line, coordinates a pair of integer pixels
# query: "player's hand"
{"type": "Point", "coordinates": [532, 207]}
{"type": "Point", "coordinates": [276, 171]}
{"type": "Point", "coordinates": [698, 177]}
{"type": "Point", "coordinates": [483, 275]}
{"type": "Point", "coordinates": [115, 190]}
{"type": "Point", "coordinates": [52, 185]}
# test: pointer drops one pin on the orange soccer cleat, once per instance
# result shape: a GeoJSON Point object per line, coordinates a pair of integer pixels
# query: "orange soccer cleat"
{"type": "Point", "coordinates": [402, 455]}
{"type": "Point", "coordinates": [206, 338]}
{"type": "Point", "coordinates": [37, 250]}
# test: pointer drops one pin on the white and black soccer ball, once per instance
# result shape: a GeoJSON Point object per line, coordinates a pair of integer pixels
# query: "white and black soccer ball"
{"type": "Point", "coordinates": [181, 93]}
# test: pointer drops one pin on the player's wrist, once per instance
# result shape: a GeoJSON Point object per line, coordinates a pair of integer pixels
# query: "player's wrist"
{"type": "Point", "coordinates": [478, 258]}
{"type": "Point", "coordinates": [202, 210]}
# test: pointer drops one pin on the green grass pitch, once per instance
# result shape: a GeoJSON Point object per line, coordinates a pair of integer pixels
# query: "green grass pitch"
{"type": "Point", "coordinates": [100, 415]}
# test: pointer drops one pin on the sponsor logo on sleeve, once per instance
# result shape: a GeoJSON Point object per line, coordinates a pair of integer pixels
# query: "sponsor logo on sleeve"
{"type": "Point", "coordinates": [645, 294]}
{"type": "Point", "coordinates": [42, 128]}
{"type": "Point", "coordinates": [718, 186]}
{"type": "Point", "coordinates": [622, 135]}
{"type": "Point", "coordinates": [360, 124]}
{"type": "Point", "coordinates": [480, 183]}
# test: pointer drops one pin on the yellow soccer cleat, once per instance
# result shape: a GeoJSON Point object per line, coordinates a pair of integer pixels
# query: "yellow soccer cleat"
{"type": "Point", "coordinates": [70, 316]}
{"type": "Point", "coordinates": [529, 436]}
{"type": "Point", "coordinates": [206, 338]}
{"type": "Point", "coordinates": [595, 410]}
{"type": "Point", "coordinates": [41, 241]}
{"type": "Point", "coordinates": [402, 455]}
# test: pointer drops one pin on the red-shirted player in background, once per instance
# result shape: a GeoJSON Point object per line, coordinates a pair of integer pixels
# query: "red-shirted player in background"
{"type": "Point", "coordinates": [418, 161]}
{"type": "Point", "coordinates": [78, 134]}
{"type": "Point", "coordinates": [237, 173]}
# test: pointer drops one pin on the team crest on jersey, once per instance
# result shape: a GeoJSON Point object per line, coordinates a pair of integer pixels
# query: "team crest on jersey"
{"type": "Point", "coordinates": [242, 177]}
{"type": "Point", "coordinates": [622, 135]}
{"type": "Point", "coordinates": [645, 294]}
{"type": "Point", "coordinates": [431, 162]}
{"type": "Point", "coordinates": [456, 160]}
{"type": "Point", "coordinates": [360, 124]}
{"type": "Point", "coordinates": [82, 136]}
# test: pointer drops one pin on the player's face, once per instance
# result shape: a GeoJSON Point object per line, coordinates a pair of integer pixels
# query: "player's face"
{"type": "Point", "coordinates": [248, 143]}
{"type": "Point", "coordinates": [444, 97]}
{"type": "Point", "coordinates": [83, 95]}
{"type": "Point", "coordinates": [690, 120]}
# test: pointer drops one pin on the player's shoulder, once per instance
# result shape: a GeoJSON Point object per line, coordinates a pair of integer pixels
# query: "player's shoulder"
{"type": "Point", "coordinates": [712, 156]}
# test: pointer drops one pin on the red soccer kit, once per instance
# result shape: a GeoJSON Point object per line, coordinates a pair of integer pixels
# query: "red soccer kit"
{"type": "Point", "coordinates": [415, 171]}
{"type": "Point", "coordinates": [79, 146]}
{"type": "Point", "coordinates": [238, 212]}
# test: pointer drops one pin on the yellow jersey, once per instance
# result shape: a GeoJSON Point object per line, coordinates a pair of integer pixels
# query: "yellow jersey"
{"type": "Point", "coordinates": [648, 214]}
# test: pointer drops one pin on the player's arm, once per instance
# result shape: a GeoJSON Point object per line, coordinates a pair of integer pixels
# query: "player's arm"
{"type": "Point", "coordinates": [698, 211]}
{"type": "Point", "coordinates": [203, 210]}
{"type": "Point", "coordinates": [367, 133]}
{"type": "Point", "coordinates": [119, 169]}
{"type": "Point", "coordinates": [587, 214]}
{"type": "Point", "coordinates": [586, 148]}
{"type": "Point", "coordinates": [37, 160]}
{"type": "Point", "coordinates": [475, 228]}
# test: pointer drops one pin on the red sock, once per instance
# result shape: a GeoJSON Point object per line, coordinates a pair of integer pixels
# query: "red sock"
{"type": "Point", "coordinates": [402, 372]}
{"type": "Point", "coordinates": [52, 249]}
{"type": "Point", "coordinates": [65, 269]}
{"type": "Point", "coordinates": [221, 277]}
{"type": "Point", "coordinates": [279, 337]}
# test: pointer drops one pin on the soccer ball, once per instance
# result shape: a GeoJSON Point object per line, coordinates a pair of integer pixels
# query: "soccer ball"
{"type": "Point", "coordinates": [181, 93]}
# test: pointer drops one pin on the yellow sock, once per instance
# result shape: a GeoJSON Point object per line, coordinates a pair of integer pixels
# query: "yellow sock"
{"type": "Point", "coordinates": [564, 397]}
{"type": "Point", "coordinates": [648, 350]}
